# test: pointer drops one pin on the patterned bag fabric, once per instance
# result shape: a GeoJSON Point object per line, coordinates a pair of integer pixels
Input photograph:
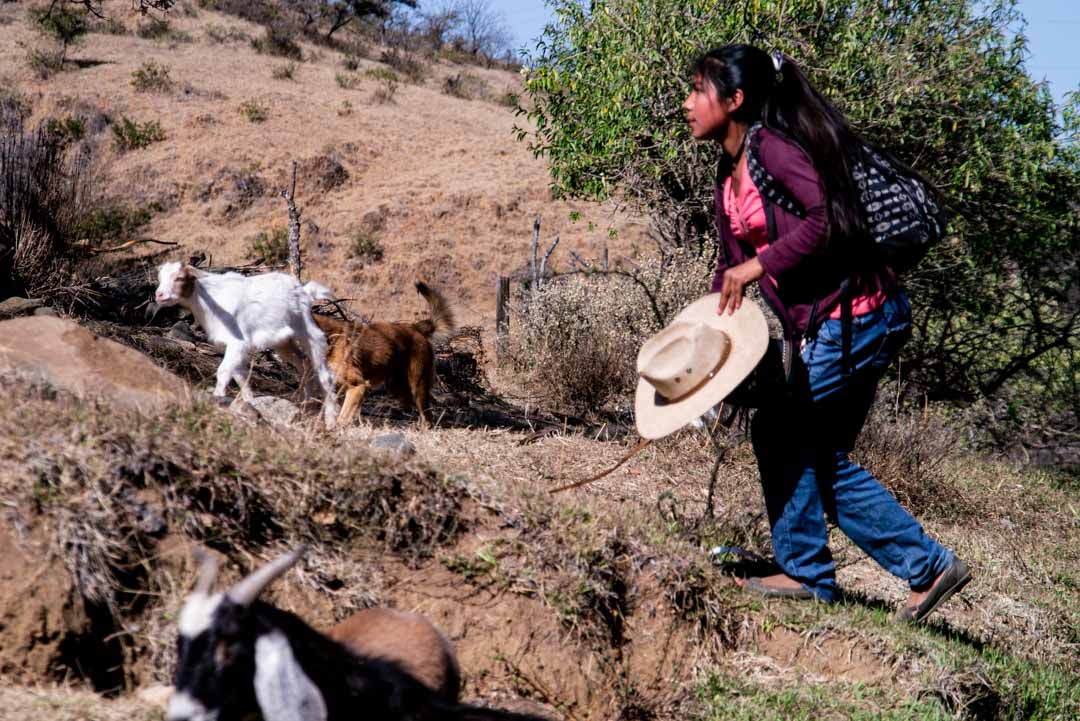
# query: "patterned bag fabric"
{"type": "Point", "coordinates": [903, 217]}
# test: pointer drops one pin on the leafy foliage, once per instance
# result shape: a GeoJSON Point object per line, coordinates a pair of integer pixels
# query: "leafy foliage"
{"type": "Point", "coordinates": [270, 247]}
{"type": "Point", "coordinates": [130, 134]}
{"type": "Point", "coordinates": [254, 111]}
{"type": "Point", "coordinates": [151, 77]}
{"type": "Point", "coordinates": [941, 83]}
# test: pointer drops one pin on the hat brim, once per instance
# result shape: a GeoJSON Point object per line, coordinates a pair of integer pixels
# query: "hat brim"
{"type": "Point", "coordinates": [749, 333]}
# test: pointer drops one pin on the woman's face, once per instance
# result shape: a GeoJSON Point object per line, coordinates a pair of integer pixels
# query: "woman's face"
{"type": "Point", "coordinates": [706, 112]}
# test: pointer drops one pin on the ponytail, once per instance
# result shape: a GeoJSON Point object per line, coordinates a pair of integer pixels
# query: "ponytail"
{"type": "Point", "coordinates": [796, 109]}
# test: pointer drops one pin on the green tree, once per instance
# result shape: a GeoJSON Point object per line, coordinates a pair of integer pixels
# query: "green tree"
{"type": "Point", "coordinates": [337, 14]}
{"type": "Point", "coordinates": [60, 22]}
{"type": "Point", "coordinates": [941, 83]}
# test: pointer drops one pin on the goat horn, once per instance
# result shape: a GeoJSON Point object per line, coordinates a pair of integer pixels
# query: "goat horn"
{"type": "Point", "coordinates": [208, 571]}
{"type": "Point", "coordinates": [248, 589]}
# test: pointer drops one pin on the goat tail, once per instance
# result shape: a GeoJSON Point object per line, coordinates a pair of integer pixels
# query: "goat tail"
{"type": "Point", "coordinates": [318, 291]}
{"type": "Point", "coordinates": [442, 321]}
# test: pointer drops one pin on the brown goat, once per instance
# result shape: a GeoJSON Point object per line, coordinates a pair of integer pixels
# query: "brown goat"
{"type": "Point", "coordinates": [398, 355]}
{"type": "Point", "coordinates": [407, 639]}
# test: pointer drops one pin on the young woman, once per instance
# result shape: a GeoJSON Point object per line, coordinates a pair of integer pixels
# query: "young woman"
{"type": "Point", "coordinates": [808, 264]}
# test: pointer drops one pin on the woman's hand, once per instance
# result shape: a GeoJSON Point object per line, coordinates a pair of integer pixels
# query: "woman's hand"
{"type": "Point", "coordinates": [735, 281]}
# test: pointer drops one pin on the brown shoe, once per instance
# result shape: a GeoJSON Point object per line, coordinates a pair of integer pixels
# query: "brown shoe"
{"type": "Point", "coordinates": [952, 579]}
{"type": "Point", "coordinates": [757, 586]}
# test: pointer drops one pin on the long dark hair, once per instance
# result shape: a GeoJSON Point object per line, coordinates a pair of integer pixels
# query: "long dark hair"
{"type": "Point", "coordinates": [785, 101]}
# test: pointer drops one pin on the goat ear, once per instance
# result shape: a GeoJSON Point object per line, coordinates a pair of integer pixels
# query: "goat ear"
{"type": "Point", "coordinates": [283, 690]}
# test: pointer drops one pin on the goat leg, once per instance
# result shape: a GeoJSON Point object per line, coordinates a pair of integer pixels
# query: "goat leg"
{"type": "Point", "coordinates": [353, 398]}
{"type": "Point", "coordinates": [231, 363]}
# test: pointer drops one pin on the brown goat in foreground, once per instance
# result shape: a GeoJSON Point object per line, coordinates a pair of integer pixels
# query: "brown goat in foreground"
{"type": "Point", "coordinates": [409, 640]}
{"type": "Point", "coordinates": [399, 355]}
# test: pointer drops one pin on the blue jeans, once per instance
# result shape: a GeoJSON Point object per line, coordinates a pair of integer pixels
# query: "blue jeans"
{"type": "Point", "coordinates": [802, 449]}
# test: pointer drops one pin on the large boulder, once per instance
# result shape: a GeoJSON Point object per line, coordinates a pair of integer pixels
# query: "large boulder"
{"type": "Point", "coordinates": [68, 356]}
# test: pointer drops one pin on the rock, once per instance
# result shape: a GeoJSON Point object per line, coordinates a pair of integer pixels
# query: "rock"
{"type": "Point", "coordinates": [156, 695]}
{"type": "Point", "coordinates": [46, 311]}
{"type": "Point", "coordinates": [13, 307]}
{"type": "Point", "coordinates": [182, 331]}
{"type": "Point", "coordinates": [394, 443]}
{"type": "Point", "coordinates": [69, 357]}
{"type": "Point", "coordinates": [277, 411]}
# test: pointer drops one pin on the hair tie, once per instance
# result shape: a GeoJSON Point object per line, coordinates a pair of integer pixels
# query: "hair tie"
{"type": "Point", "coordinates": [777, 61]}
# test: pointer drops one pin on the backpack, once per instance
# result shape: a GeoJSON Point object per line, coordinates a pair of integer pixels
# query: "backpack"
{"type": "Point", "coordinates": [904, 220]}
{"type": "Point", "coordinates": [903, 216]}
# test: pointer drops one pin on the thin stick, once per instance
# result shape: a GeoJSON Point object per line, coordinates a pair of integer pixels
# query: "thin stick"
{"type": "Point", "coordinates": [543, 263]}
{"type": "Point", "coordinates": [535, 244]}
{"type": "Point", "coordinates": [122, 246]}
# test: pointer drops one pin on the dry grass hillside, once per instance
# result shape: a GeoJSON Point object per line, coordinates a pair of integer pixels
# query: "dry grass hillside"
{"type": "Point", "coordinates": [599, 603]}
{"type": "Point", "coordinates": [438, 180]}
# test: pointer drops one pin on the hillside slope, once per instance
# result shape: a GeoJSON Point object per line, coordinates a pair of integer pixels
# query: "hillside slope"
{"type": "Point", "coordinates": [440, 179]}
{"type": "Point", "coordinates": [601, 603]}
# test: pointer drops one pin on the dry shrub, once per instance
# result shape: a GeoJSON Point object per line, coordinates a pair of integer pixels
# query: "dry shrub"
{"type": "Point", "coordinates": [693, 588]}
{"type": "Point", "coordinates": [278, 41]}
{"type": "Point", "coordinates": [38, 261]}
{"type": "Point", "coordinates": [110, 25]}
{"type": "Point", "coordinates": [466, 86]}
{"type": "Point", "coordinates": [221, 35]}
{"type": "Point", "coordinates": [347, 81]}
{"type": "Point", "coordinates": [385, 93]}
{"type": "Point", "coordinates": [15, 106]}
{"type": "Point", "coordinates": [152, 29]}
{"type": "Point", "coordinates": [285, 72]}
{"type": "Point", "coordinates": [151, 77]}
{"type": "Point", "coordinates": [576, 337]}
{"type": "Point", "coordinates": [45, 62]}
{"type": "Point", "coordinates": [270, 247]}
{"type": "Point", "coordinates": [130, 134]}
{"type": "Point", "coordinates": [44, 189]}
{"type": "Point", "coordinates": [907, 450]}
{"type": "Point", "coordinates": [406, 64]}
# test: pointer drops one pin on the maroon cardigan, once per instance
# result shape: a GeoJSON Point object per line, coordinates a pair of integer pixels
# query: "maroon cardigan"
{"type": "Point", "coordinates": [808, 265]}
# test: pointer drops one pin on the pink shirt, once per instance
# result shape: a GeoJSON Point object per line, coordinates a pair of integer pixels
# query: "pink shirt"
{"type": "Point", "coordinates": [746, 214]}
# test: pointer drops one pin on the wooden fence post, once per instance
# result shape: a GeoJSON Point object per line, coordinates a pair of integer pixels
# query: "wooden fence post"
{"type": "Point", "coordinates": [502, 317]}
{"type": "Point", "coordinates": [294, 226]}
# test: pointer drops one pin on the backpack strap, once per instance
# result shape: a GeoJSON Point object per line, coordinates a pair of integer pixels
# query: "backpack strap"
{"type": "Point", "coordinates": [774, 193]}
{"type": "Point", "coordinates": [772, 190]}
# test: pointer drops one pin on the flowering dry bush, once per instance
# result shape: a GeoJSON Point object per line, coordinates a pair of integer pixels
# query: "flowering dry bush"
{"type": "Point", "coordinates": [576, 337]}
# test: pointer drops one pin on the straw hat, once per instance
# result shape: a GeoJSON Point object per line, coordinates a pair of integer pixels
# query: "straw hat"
{"type": "Point", "coordinates": [693, 363]}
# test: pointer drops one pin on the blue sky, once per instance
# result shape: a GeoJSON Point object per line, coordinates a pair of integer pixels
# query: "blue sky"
{"type": "Point", "coordinates": [1053, 33]}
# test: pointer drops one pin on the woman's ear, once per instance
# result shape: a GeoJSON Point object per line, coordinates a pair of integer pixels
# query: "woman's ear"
{"type": "Point", "coordinates": [735, 101]}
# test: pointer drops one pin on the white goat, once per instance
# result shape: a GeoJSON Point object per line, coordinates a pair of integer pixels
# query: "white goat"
{"type": "Point", "coordinates": [244, 314]}
{"type": "Point", "coordinates": [239, 657]}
